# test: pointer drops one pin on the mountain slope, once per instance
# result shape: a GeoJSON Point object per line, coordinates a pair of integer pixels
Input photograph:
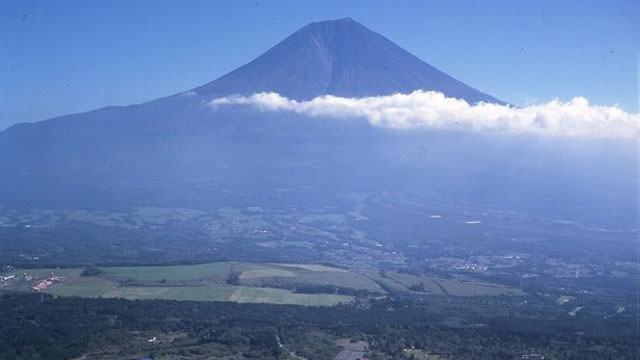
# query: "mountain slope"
{"type": "Point", "coordinates": [177, 152]}
{"type": "Point", "coordinates": [339, 57]}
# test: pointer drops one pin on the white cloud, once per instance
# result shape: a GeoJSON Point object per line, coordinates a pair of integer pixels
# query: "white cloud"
{"type": "Point", "coordinates": [431, 109]}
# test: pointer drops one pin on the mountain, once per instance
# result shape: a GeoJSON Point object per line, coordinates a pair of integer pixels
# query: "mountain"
{"type": "Point", "coordinates": [178, 152]}
{"type": "Point", "coordinates": [338, 57]}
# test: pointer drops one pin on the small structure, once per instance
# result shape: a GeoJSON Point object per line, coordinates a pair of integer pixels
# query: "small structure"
{"type": "Point", "coordinates": [42, 284]}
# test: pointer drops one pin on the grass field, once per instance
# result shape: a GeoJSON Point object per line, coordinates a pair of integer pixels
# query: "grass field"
{"type": "Point", "coordinates": [441, 286]}
{"type": "Point", "coordinates": [310, 274]}
{"type": "Point", "coordinates": [281, 296]}
{"type": "Point", "coordinates": [192, 293]}
{"type": "Point", "coordinates": [259, 282]}
{"type": "Point", "coordinates": [83, 287]}
{"type": "Point", "coordinates": [182, 282]}
{"type": "Point", "coordinates": [345, 279]}
{"type": "Point", "coordinates": [302, 273]}
{"type": "Point", "coordinates": [99, 287]}
{"type": "Point", "coordinates": [215, 293]}
{"type": "Point", "coordinates": [252, 274]}
{"type": "Point", "coordinates": [313, 267]}
{"type": "Point", "coordinates": [177, 272]}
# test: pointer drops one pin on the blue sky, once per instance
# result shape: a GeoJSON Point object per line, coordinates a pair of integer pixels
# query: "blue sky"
{"type": "Point", "coordinates": [63, 57]}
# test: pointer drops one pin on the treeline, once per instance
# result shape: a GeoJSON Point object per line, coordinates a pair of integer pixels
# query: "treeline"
{"type": "Point", "coordinates": [328, 289]}
{"type": "Point", "coordinates": [297, 286]}
{"type": "Point", "coordinates": [38, 326]}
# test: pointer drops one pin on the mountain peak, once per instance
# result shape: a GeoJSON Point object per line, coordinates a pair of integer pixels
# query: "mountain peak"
{"type": "Point", "coordinates": [342, 58]}
{"type": "Point", "coordinates": [346, 20]}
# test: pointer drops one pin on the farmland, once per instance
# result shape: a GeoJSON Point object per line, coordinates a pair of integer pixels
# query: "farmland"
{"type": "Point", "coordinates": [453, 285]}
{"type": "Point", "coordinates": [248, 282]}
{"type": "Point", "coordinates": [178, 272]}
{"type": "Point", "coordinates": [202, 282]}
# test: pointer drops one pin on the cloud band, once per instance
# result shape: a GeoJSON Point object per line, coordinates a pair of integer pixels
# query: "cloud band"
{"type": "Point", "coordinates": [430, 109]}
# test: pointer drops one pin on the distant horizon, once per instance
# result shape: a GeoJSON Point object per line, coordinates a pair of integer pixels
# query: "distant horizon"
{"type": "Point", "coordinates": [75, 57]}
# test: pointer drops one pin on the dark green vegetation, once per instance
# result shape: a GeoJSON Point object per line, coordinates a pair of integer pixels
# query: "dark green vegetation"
{"type": "Point", "coordinates": [575, 287]}
{"type": "Point", "coordinates": [399, 313]}
{"type": "Point", "coordinates": [37, 326]}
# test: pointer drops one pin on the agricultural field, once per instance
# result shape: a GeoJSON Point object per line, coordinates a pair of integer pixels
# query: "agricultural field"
{"type": "Point", "coordinates": [314, 267]}
{"type": "Point", "coordinates": [261, 273]}
{"type": "Point", "coordinates": [453, 286]}
{"type": "Point", "coordinates": [191, 293]}
{"type": "Point", "coordinates": [249, 282]}
{"type": "Point", "coordinates": [282, 296]}
{"type": "Point", "coordinates": [307, 276]}
{"type": "Point", "coordinates": [202, 282]}
{"type": "Point", "coordinates": [81, 286]}
{"type": "Point", "coordinates": [177, 272]}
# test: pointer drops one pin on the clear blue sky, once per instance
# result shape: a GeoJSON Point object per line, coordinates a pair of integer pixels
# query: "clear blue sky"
{"type": "Point", "coordinates": [60, 57]}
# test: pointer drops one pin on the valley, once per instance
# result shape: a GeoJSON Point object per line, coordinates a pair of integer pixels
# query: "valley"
{"type": "Point", "coordinates": [375, 231]}
{"type": "Point", "coordinates": [335, 197]}
{"type": "Point", "coordinates": [455, 271]}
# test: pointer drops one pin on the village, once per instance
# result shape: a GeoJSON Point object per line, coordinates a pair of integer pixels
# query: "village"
{"type": "Point", "coordinates": [33, 282]}
{"type": "Point", "coordinates": [43, 284]}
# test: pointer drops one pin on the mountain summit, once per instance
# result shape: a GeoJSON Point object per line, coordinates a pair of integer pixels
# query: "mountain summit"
{"type": "Point", "coordinates": [338, 57]}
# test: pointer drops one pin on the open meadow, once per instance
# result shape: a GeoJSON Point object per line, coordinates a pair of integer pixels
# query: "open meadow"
{"type": "Point", "coordinates": [247, 282]}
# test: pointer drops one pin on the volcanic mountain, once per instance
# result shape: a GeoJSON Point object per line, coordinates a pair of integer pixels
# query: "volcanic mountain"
{"type": "Point", "coordinates": [338, 57]}
{"type": "Point", "coordinates": [178, 152]}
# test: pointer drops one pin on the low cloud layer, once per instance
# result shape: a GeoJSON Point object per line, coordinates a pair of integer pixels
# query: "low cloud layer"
{"type": "Point", "coordinates": [429, 109]}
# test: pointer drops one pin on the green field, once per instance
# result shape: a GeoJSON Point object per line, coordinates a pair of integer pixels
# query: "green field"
{"type": "Point", "coordinates": [314, 267]}
{"type": "Point", "coordinates": [193, 293]}
{"type": "Point", "coordinates": [109, 289]}
{"type": "Point", "coordinates": [251, 273]}
{"type": "Point", "coordinates": [308, 274]}
{"type": "Point", "coordinates": [177, 272]}
{"type": "Point", "coordinates": [454, 286]}
{"type": "Point", "coordinates": [281, 296]}
{"type": "Point", "coordinates": [261, 273]}
{"type": "Point", "coordinates": [83, 287]}
{"type": "Point", "coordinates": [202, 282]}
{"type": "Point", "coordinates": [348, 279]}
{"type": "Point", "coordinates": [255, 282]}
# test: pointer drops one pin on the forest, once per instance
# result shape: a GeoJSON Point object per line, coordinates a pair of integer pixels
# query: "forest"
{"type": "Point", "coordinates": [39, 326]}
